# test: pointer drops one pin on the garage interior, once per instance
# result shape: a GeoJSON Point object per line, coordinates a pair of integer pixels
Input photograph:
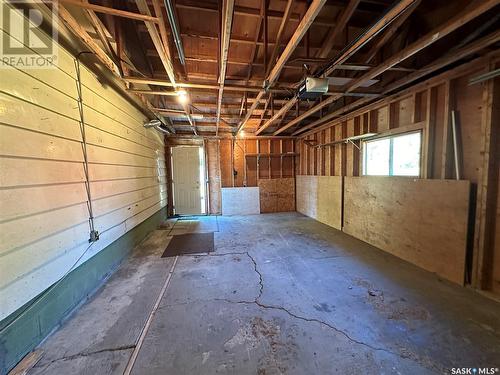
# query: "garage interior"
{"type": "Point", "coordinates": [250, 187]}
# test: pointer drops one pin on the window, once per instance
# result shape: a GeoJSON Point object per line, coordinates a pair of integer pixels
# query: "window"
{"type": "Point", "coordinates": [393, 156]}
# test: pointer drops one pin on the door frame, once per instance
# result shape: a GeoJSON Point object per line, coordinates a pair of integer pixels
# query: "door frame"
{"type": "Point", "coordinates": [204, 168]}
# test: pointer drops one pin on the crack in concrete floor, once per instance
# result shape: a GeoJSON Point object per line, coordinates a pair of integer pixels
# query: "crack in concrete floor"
{"type": "Point", "coordinates": [406, 355]}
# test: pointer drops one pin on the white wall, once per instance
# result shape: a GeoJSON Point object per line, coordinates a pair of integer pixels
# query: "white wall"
{"type": "Point", "coordinates": [43, 214]}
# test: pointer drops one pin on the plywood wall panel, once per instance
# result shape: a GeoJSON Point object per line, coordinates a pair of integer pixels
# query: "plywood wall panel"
{"type": "Point", "coordinates": [277, 195]}
{"type": "Point", "coordinates": [320, 197]}
{"type": "Point", "coordinates": [421, 221]}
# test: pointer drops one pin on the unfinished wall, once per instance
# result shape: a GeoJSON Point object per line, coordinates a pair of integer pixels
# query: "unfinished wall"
{"type": "Point", "coordinates": [44, 218]}
{"type": "Point", "coordinates": [252, 162]}
{"type": "Point", "coordinates": [426, 107]}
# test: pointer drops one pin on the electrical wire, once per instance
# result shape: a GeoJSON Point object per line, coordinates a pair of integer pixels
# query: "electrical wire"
{"type": "Point", "coordinates": [93, 232]}
{"type": "Point", "coordinates": [89, 199]}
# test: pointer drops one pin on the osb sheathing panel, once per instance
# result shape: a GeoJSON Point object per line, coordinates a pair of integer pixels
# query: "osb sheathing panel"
{"type": "Point", "coordinates": [320, 197]}
{"type": "Point", "coordinates": [277, 195]}
{"type": "Point", "coordinates": [421, 221]}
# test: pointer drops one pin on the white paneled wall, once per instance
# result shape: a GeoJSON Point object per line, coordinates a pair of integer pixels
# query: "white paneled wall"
{"type": "Point", "coordinates": [43, 215]}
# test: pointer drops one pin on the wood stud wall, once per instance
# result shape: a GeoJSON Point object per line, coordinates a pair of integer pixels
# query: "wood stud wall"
{"type": "Point", "coordinates": [427, 107]}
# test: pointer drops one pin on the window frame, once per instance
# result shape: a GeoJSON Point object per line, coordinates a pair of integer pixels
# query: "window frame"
{"type": "Point", "coordinates": [391, 154]}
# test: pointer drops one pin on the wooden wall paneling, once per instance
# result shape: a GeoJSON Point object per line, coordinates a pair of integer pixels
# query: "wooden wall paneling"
{"type": "Point", "coordinates": [170, 197]}
{"type": "Point", "coordinates": [343, 147]}
{"type": "Point", "coordinates": [321, 157]}
{"type": "Point", "coordinates": [421, 221]}
{"type": "Point", "coordinates": [226, 150]}
{"type": "Point", "coordinates": [275, 161]}
{"type": "Point", "coordinates": [214, 179]}
{"type": "Point", "coordinates": [469, 103]}
{"type": "Point", "coordinates": [383, 118]}
{"type": "Point", "coordinates": [439, 125]}
{"type": "Point", "coordinates": [428, 133]}
{"type": "Point", "coordinates": [393, 114]}
{"type": "Point", "coordinates": [326, 153]}
{"type": "Point", "coordinates": [446, 148]}
{"type": "Point", "coordinates": [239, 162]}
{"type": "Point", "coordinates": [406, 111]}
{"type": "Point", "coordinates": [486, 251]}
{"type": "Point", "coordinates": [338, 150]}
{"type": "Point", "coordinates": [332, 149]}
{"type": "Point", "coordinates": [251, 162]}
{"type": "Point", "coordinates": [357, 148]}
{"type": "Point", "coordinates": [287, 162]}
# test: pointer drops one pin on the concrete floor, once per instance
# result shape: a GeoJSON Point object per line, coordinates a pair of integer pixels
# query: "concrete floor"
{"type": "Point", "coordinates": [282, 294]}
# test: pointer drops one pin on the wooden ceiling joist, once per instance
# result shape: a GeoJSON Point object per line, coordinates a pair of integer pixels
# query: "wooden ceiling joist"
{"type": "Point", "coordinates": [227, 22]}
{"type": "Point", "coordinates": [111, 11]}
{"type": "Point", "coordinates": [302, 28]}
{"type": "Point", "coordinates": [477, 8]}
{"type": "Point", "coordinates": [161, 46]}
{"type": "Point", "coordinates": [393, 13]}
{"type": "Point", "coordinates": [327, 49]}
{"type": "Point", "coordinates": [388, 33]}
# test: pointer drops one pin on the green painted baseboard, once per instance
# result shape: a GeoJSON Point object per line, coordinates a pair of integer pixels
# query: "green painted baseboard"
{"type": "Point", "coordinates": [26, 333]}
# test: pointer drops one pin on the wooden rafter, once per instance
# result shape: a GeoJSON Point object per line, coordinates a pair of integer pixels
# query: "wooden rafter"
{"type": "Point", "coordinates": [82, 34]}
{"type": "Point", "coordinates": [302, 28]}
{"type": "Point", "coordinates": [389, 33]}
{"type": "Point", "coordinates": [162, 47]}
{"type": "Point", "coordinates": [478, 8]}
{"type": "Point", "coordinates": [227, 22]}
{"type": "Point", "coordinates": [428, 69]}
{"type": "Point", "coordinates": [111, 11]}
{"type": "Point", "coordinates": [327, 49]}
{"type": "Point", "coordinates": [393, 13]}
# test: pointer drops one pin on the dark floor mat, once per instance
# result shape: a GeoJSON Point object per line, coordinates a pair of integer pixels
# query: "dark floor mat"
{"type": "Point", "coordinates": [190, 243]}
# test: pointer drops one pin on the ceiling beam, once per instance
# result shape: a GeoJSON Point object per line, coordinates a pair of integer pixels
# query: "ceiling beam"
{"type": "Point", "coordinates": [162, 46]}
{"type": "Point", "coordinates": [111, 11]}
{"type": "Point", "coordinates": [477, 8]}
{"type": "Point", "coordinates": [239, 88]}
{"type": "Point", "coordinates": [340, 26]}
{"type": "Point", "coordinates": [390, 16]}
{"type": "Point", "coordinates": [294, 41]}
{"type": "Point", "coordinates": [389, 33]}
{"type": "Point", "coordinates": [227, 22]}
{"type": "Point", "coordinates": [394, 12]}
{"type": "Point", "coordinates": [82, 34]}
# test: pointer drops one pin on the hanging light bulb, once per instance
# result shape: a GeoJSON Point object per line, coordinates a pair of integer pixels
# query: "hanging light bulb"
{"type": "Point", "coordinates": [182, 96]}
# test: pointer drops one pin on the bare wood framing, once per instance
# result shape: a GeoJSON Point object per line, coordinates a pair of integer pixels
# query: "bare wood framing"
{"type": "Point", "coordinates": [303, 26]}
{"type": "Point", "coordinates": [227, 22]}
{"type": "Point", "coordinates": [436, 34]}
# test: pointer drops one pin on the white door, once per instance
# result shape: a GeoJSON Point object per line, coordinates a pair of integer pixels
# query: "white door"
{"type": "Point", "coordinates": [186, 180]}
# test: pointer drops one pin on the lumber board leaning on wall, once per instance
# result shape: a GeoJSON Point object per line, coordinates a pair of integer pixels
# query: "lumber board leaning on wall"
{"type": "Point", "coordinates": [320, 197]}
{"type": "Point", "coordinates": [421, 221]}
